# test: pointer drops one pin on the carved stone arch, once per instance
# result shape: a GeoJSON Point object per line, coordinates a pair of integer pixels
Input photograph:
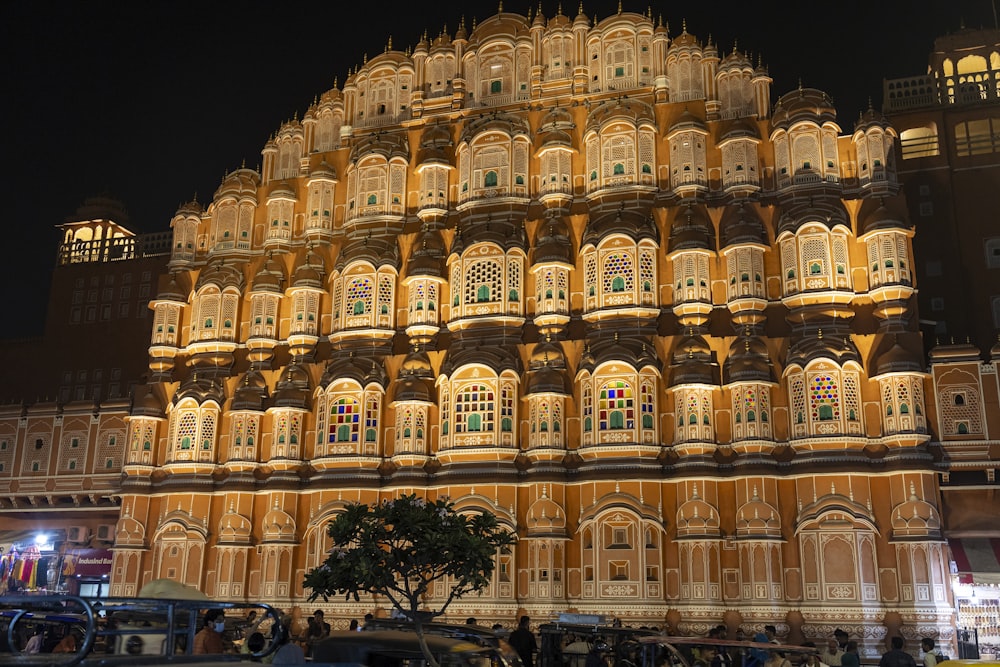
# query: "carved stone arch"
{"type": "Point", "coordinates": [179, 545]}
{"type": "Point", "coordinates": [837, 508]}
{"type": "Point", "coordinates": [314, 535]}
{"type": "Point", "coordinates": [476, 502]}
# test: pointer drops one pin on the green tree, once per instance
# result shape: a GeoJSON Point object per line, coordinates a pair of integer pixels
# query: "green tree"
{"type": "Point", "coordinates": [399, 548]}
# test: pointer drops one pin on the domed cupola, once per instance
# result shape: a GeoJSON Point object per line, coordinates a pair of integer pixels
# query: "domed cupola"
{"type": "Point", "coordinates": [748, 361]}
{"type": "Point", "coordinates": [692, 230]}
{"type": "Point", "coordinates": [836, 347]}
{"type": "Point", "coordinates": [323, 171]}
{"type": "Point", "coordinates": [269, 277]}
{"type": "Point", "coordinates": [897, 359]}
{"type": "Point", "coordinates": [251, 394]}
{"type": "Point", "coordinates": [435, 147]}
{"type": "Point", "coordinates": [292, 388]}
{"type": "Point", "coordinates": [310, 273]}
{"type": "Point", "coordinates": [546, 518]}
{"type": "Point", "coordinates": [741, 225]}
{"type": "Point", "coordinates": [697, 519]}
{"type": "Point", "coordinates": [172, 291]}
{"type": "Point", "coordinates": [547, 369]}
{"type": "Point", "coordinates": [427, 258]}
{"type": "Point", "coordinates": [415, 380]}
{"type": "Point", "coordinates": [221, 275]}
{"type": "Point", "coordinates": [803, 104]}
{"type": "Point", "coordinates": [757, 519]}
{"type": "Point", "coordinates": [916, 518]}
{"type": "Point", "coordinates": [375, 250]}
{"type": "Point", "coordinates": [877, 216]}
{"type": "Point", "coordinates": [496, 357]}
{"type": "Point", "coordinates": [631, 350]}
{"type": "Point", "coordinates": [636, 224]}
{"type": "Point", "coordinates": [507, 232]}
{"type": "Point", "coordinates": [146, 403]}
{"type": "Point", "coordinates": [552, 244]}
{"type": "Point", "coordinates": [693, 362]}
{"type": "Point", "coordinates": [687, 121]}
{"type": "Point", "coordinates": [349, 366]}
{"type": "Point", "coordinates": [201, 387]}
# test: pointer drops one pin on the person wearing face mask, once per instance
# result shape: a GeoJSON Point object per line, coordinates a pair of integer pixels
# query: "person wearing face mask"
{"type": "Point", "coordinates": [209, 638]}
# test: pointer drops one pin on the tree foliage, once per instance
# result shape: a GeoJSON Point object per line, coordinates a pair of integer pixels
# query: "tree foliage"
{"type": "Point", "coordinates": [399, 548]}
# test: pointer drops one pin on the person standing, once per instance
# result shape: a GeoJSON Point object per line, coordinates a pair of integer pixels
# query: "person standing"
{"type": "Point", "coordinates": [896, 656]}
{"type": "Point", "coordinates": [931, 655]}
{"type": "Point", "coordinates": [523, 641]}
{"type": "Point", "coordinates": [209, 638]}
{"type": "Point", "coordinates": [289, 652]}
{"type": "Point", "coordinates": [850, 657]}
{"type": "Point", "coordinates": [831, 653]}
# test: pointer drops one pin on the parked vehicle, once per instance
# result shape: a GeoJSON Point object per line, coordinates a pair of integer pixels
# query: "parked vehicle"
{"type": "Point", "coordinates": [111, 631]}
{"type": "Point", "coordinates": [401, 648]}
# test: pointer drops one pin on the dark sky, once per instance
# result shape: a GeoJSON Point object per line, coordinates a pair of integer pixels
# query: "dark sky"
{"type": "Point", "coordinates": [151, 102]}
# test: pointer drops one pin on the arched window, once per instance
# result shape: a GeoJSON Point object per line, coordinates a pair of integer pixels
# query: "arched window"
{"type": "Point", "coordinates": [474, 423]}
{"type": "Point", "coordinates": [825, 412]}
{"type": "Point", "coordinates": [359, 307]}
{"type": "Point", "coordinates": [617, 420]}
{"type": "Point", "coordinates": [618, 284]}
{"type": "Point", "coordinates": [483, 293]}
{"type": "Point", "coordinates": [490, 179]}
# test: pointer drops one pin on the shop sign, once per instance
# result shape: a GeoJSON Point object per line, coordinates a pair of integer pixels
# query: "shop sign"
{"type": "Point", "coordinates": [87, 563]}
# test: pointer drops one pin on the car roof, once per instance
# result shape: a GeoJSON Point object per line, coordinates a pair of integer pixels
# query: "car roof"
{"type": "Point", "coordinates": [399, 640]}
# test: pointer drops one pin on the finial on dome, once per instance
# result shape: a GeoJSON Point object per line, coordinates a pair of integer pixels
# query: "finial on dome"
{"type": "Point", "coordinates": [619, 7]}
{"type": "Point", "coordinates": [500, 7]}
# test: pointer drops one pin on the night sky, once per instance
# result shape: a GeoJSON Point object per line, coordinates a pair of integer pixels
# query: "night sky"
{"type": "Point", "coordinates": [152, 102]}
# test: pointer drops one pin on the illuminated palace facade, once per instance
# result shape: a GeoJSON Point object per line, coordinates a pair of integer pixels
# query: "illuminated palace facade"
{"type": "Point", "coordinates": [588, 277]}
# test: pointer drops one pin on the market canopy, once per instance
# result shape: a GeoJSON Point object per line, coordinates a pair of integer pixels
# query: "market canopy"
{"type": "Point", "coordinates": [977, 559]}
{"type": "Point", "coordinates": [170, 590]}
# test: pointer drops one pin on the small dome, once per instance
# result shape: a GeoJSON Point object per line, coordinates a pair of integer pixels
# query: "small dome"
{"type": "Point", "coordinates": [687, 121]}
{"type": "Point", "coordinates": [741, 225]}
{"type": "Point", "coordinates": [281, 190]}
{"type": "Point", "coordinates": [898, 359]}
{"type": "Point", "coordinates": [697, 518]}
{"type": "Point", "coordinates": [292, 389]}
{"type": "Point", "coordinates": [685, 38]}
{"type": "Point", "coordinates": [278, 525]}
{"type": "Point", "coordinates": [234, 528]}
{"type": "Point", "coordinates": [692, 229]}
{"type": "Point", "coordinates": [636, 224]}
{"type": "Point", "coordinates": [740, 128]}
{"type": "Point", "coordinates": [324, 171]}
{"type": "Point", "coordinates": [427, 258]}
{"type": "Point", "coordinates": [310, 272]}
{"type": "Point", "coordinates": [882, 217]}
{"type": "Point", "coordinates": [953, 352]}
{"type": "Point", "coordinates": [692, 362]}
{"type": "Point", "coordinates": [172, 291]}
{"type": "Point", "coordinates": [545, 518]}
{"type": "Point", "coordinates": [915, 518]}
{"type": "Point", "coordinates": [807, 104]}
{"type": "Point", "coordinates": [757, 519]}
{"type": "Point", "coordinates": [748, 361]}
{"type": "Point", "coordinates": [251, 393]}
{"type": "Point", "coordinates": [552, 243]}
{"type": "Point", "coordinates": [558, 118]}
{"type": "Point", "coordinates": [835, 346]}
{"type": "Point", "coordinates": [147, 403]}
{"type": "Point", "coordinates": [269, 278]}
